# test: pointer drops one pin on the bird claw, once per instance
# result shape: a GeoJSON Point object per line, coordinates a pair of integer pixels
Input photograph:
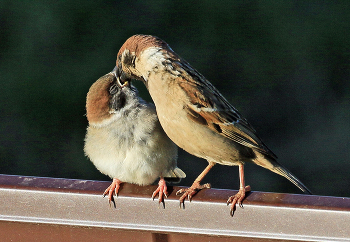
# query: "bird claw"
{"type": "Point", "coordinates": [237, 198]}
{"type": "Point", "coordinates": [190, 192]}
{"type": "Point", "coordinates": [162, 191]}
{"type": "Point", "coordinates": [113, 189]}
{"type": "Point", "coordinates": [110, 203]}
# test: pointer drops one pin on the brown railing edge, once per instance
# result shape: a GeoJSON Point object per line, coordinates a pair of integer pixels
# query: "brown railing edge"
{"type": "Point", "coordinates": [207, 195]}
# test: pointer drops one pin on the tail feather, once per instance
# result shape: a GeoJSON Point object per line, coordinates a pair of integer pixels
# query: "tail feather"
{"type": "Point", "coordinates": [293, 179]}
{"type": "Point", "coordinates": [179, 173]}
{"type": "Point", "coordinates": [175, 175]}
{"type": "Point", "coordinates": [272, 165]}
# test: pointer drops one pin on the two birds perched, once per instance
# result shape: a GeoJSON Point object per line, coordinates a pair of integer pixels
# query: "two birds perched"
{"type": "Point", "coordinates": [193, 114]}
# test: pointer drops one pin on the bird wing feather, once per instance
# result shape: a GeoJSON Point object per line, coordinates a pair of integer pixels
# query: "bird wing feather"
{"type": "Point", "coordinates": [209, 107]}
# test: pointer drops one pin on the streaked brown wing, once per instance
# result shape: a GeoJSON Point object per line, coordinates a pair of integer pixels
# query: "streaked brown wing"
{"type": "Point", "coordinates": [209, 107]}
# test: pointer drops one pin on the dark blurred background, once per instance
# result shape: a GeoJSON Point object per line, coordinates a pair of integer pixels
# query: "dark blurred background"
{"type": "Point", "coordinates": [285, 65]}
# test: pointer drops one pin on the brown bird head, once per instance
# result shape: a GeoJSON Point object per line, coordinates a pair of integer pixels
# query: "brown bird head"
{"type": "Point", "coordinates": [129, 64]}
{"type": "Point", "coordinates": [106, 96]}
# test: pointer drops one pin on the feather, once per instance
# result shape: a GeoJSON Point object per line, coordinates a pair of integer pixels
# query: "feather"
{"type": "Point", "coordinates": [220, 116]}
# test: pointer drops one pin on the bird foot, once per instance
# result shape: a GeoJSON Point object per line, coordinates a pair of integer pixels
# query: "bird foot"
{"type": "Point", "coordinates": [161, 191]}
{"type": "Point", "coordinates": [190, 192]}
{"type": "Point", "coordinates": [238, 198]}
{"type": "Point", "coordinates": [113, 189]}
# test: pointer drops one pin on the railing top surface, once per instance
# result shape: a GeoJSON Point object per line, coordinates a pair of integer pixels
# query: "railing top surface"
{"type": "Point", "coordinates": [208, 195]}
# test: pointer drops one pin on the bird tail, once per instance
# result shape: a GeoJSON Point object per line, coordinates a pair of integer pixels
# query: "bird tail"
{"type": "Point", "coordinates": [175, 175]}
{"type": "Point", "coordinates": [274, 166]}
{"type": "Point", "coordinates": [179, 173]}
{"type": "Point", "coordinates": [293, 179]}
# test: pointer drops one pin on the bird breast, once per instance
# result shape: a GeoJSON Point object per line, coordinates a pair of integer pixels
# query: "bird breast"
{"type": "Point", "coordinates": [133, 149]}
{"type": "Point", "coordinates": [171, 102]}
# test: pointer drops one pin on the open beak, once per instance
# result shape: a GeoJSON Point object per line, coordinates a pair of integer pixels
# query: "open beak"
{"type": "Point", "coordinates": [126, 83]}
{"type": "Point", "coordinates": [118, 75]}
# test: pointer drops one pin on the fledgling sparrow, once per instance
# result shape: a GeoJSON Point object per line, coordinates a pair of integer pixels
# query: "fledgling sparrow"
{"type": "Point", "coordinates": [194, 114]}
{"type": "Point", "coordinates": [125, 140]}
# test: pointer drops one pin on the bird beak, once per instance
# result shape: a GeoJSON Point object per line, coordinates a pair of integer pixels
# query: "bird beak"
{"type": "Point", "coordinates": [119, 76]}
{"type": "Point", "coordinates": [115, 71]}
{"type": "Point", "coordinates": [124, 84]}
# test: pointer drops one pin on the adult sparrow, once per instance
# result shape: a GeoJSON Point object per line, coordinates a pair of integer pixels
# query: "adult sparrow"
{"type": "Point", "coordinates": [194, 114]}
{"type": "Point", "coordinates": [125, 140]}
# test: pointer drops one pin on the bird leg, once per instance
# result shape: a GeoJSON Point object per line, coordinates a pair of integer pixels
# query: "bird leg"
{"type": "Point", "coordinates": [161, 190]}
{"type": "Point", "coordinates": [191, 191]}
{"type": "Point", "coordinates": [238, 198]}
{"type": "Point", "coordinates": [113, 188]}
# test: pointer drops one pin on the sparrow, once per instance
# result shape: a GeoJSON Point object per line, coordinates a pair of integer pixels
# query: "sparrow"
{"type": "Point", "coordinates": [125, 140]}
{"type": "Point", "coordinates": [194, 114]}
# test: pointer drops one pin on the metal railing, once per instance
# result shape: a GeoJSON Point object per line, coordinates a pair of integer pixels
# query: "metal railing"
{"type": "Point", "coordinates": [56, 209]}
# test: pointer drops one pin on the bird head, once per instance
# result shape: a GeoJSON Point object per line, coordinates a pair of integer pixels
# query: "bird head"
{"type": "Point", "coordinates": [139, 55]}
{"type": "Point", "coordinates": [98, 99]}
{"type": "Point", "coordinates": [108, 95]}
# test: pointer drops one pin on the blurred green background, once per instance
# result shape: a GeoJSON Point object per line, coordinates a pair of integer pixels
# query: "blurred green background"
{"type": "Point", "coordinates": [285, 65]}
